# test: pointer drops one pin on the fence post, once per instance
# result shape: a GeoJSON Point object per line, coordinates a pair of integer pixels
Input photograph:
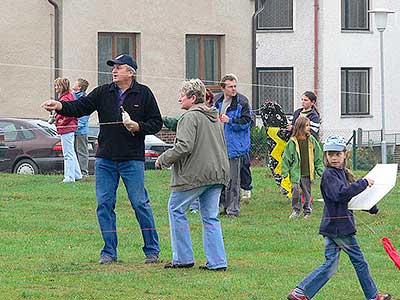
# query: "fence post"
{"type": "Point", "coordinates": [359, 138]}
{"type": "Point", "coordinates": [354, 151]}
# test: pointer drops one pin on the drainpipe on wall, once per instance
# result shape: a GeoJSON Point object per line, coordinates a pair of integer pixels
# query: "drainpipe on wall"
{"type": "Point", "coordinates": [253, 56]}
{"type": "Point", "coordinates": [316, 46]}
{"type": "Point", "coordinates": [56, 40]}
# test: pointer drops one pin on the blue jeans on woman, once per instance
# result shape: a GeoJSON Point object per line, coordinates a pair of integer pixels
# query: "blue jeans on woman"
{"type": "Point", "coordinates": [213, 244]}
{"type": "Point", "coordinates": [108, 173]}
{"type": "Point", "coordinates": [317, 278]}
{"type": "Point", "coordinates": [72, 171]}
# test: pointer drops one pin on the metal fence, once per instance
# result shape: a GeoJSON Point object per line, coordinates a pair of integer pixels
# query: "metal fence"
{"type": "Point", "coordinates": [363, 145]}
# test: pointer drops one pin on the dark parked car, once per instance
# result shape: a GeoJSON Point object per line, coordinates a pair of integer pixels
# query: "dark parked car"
{"type": "Point", "coordinates": [3, 147]}
{"type": "Point", "coordinates": [153, 147]}
{"type": "Point", "coordinates": [33, 146]}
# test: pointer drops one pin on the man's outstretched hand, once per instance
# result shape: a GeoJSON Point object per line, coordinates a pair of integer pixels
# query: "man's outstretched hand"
{"type": "Point", "coordinates": [51, 105]}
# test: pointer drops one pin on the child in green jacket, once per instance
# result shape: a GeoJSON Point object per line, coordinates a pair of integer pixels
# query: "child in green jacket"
{"type": "Point", "coordinates": [302, 160]}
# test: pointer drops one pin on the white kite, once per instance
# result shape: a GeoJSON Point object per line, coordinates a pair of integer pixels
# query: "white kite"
{"type": "Point", "coordinates": [384, 176]}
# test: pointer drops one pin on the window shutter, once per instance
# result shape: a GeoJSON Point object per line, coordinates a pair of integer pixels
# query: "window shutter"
{"type": "Point", "coordinates": [277, 14]}
{"type": "Point", "coordinates": [355, 15]}
{"type": "Point", "coordinates": [104, 54]}
{"type": "Point", "coordinates": [277, 85]}
{"type": "Point", "coordinates": [355, 91]}
{"type": "Point", "coordinates": [192, 57]}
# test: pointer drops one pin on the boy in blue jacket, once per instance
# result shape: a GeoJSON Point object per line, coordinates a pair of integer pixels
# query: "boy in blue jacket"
{"type": "Point", "coordinates": [81, 134]}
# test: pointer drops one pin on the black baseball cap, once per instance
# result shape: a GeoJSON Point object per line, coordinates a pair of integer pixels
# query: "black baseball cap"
{"type": "Point", "coordinates": [123, 59]}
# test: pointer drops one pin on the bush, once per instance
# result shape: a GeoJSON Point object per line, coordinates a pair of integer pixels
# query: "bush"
{"type": "Point", "coordinates": [259, 146]}
{"type": "Point", "coordinates": [367, 158]}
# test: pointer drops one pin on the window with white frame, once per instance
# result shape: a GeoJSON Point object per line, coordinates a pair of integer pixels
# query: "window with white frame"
{"type": "Point", "coordinates": [275, 84]}
{"type": "Point", "coordinates": [355, 14]}
{"type": "Point", "coordinates": [277, 15]}
{"type": "Point", "coordinates": [355, 91]}
{"type": "Point", "coordinates": [203, 58]}
{"type": "Point", "coordinates": [110, 45]}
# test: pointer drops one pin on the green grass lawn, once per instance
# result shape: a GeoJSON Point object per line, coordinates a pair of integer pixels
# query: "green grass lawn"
{"type": "Point", "coordinates": [50, 244]}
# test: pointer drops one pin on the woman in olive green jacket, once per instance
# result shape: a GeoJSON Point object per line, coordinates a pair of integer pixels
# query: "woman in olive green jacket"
{"type": "Point", "coordinates": [200, 168]}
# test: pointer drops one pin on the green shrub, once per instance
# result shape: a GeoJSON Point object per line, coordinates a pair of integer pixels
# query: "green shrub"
{"type": "Point", "coordinates": [258, 147]}
{"type": "Point", "coordinates": [367, 158]}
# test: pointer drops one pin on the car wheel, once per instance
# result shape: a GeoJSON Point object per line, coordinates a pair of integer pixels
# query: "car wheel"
{"type": "Point", "coordinates": [26, 166]}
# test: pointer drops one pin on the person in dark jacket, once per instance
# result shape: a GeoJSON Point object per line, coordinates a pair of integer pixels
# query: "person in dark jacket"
{"type": "Point", "coordinates": [309, 109]}
{"type": "Point", "coordinates": [234, 112]}
{"type": "Point", "coordinates": [338, 186]}
{"type": "Point", "coordinates": [120, 151]}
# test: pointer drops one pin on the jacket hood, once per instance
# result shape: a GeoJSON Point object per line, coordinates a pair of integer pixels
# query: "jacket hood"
{"type": "Point", "coordinates": [210, 112]}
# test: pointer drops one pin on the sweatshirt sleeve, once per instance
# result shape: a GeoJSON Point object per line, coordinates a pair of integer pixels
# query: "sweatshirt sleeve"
{"type": "Point", "coordinates": [244, 121]}
{"type": "Point", "coordinates": [84, 106]}
{"type": "Point", "coordinates": [287, 159]}
{"type": "Point", "coordinates": [185, 137]}
{"type": "Point", "coordinates": [315, 123]}
{"type": "Point", "coordinates": [318, 158]}
{"type": "Point", "coordinates": [336, 189]}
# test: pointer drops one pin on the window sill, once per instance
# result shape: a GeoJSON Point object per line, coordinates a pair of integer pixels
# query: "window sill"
{"type": "Point", "coordinates": [356, 31]}
{"type": "Point", "coordinates": [214, 88]}
{"type": "Point", "coordinates": [275, 30]}
{"type": "Point", "coordinates": [356, 116]}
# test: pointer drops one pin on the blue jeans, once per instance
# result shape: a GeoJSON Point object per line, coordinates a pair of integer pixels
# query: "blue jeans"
{"type": "Point", "coordinates": [72, 171]}
{"type": "Point", "coordinates": [317, 278]}
{"type": "Point", "coordinates": [195, 205]}
{"type": "Point", "coordinates": [108, 173]}
{"type": "Point", "coordinates": [213, 244]}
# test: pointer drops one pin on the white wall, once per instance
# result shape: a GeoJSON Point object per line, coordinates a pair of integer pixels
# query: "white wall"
{"type": "Point", "coordinates": [357, 49]}
{"type": "Point", "coordinates": [392, 64]}
{"type": "Point", "coordinates": [336, 50]}
{"type": "Point", "coordinates": [291, 48]}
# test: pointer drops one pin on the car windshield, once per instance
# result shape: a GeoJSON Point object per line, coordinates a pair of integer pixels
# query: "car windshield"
{"type": "Point", "coordinates": [49, 129]}
{"type": "Point", "coordinates": [153, 139]}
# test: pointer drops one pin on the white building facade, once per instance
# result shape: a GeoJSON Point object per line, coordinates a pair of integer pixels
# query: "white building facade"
{"type": "Point", "coordinates": [331, 48]}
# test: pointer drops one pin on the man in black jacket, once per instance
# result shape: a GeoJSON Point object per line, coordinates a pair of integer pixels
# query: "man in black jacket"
{"type": "Point", "coordinates": [121, 150]}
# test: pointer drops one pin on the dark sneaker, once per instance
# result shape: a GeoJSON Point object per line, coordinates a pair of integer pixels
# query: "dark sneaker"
{"type": "Point", "coordinates": [307, 216]}
{"type": "Point", "coordinates": [383, 297]}
{"type": "Point", "coordinates": [209, 269]}
{"type": "Point", "coordinates": [296, 296]}
{"type": "Point", "coordinates": [171, 265]}
{"type": "Point", "coordinates": [152, 259]}
{"type": "Point", "coordinates": [107, 260]}
{"type": "Point", "coordinates": [374, 210]}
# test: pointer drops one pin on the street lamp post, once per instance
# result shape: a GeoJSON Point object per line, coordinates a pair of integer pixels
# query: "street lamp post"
{"type": "Point", "coordinates": [381, 16]}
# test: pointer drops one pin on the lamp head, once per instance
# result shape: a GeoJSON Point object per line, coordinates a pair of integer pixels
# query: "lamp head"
{"type": "Point", "coordinates": [381, 15]}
